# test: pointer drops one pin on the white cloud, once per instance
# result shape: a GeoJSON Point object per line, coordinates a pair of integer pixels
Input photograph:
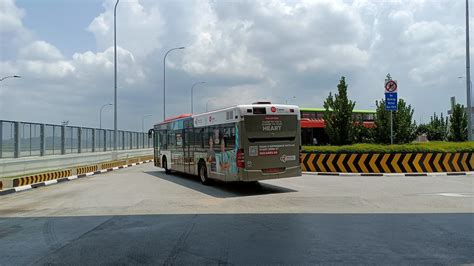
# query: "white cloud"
{"type": "Point", "coordinates": [40, 50]}
{"type": "Point", "coordinates": [10, 17]}
{"type": "Point", "coordinates": [139, 27]}
{"type": "Point", "coordinates": [244, 50]}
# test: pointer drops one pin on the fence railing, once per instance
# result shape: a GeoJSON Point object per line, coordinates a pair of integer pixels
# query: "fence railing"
{"type": "Point", "coordinates": [22, 139]}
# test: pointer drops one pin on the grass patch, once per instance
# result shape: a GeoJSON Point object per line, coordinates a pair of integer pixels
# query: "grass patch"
{"type": "Point", "coordinates": [435, 146]}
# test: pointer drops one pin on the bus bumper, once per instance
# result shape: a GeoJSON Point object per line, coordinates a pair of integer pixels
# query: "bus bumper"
{"type": "Point", "coordinates": [256, 175]}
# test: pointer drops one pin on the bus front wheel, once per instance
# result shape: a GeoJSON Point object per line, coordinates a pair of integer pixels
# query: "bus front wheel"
{"type": "Point", "coordinates": [203, 174]}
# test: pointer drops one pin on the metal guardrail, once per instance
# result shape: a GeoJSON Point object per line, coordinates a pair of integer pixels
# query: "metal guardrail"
{"type": "Point", "coordinates": [23, 139]}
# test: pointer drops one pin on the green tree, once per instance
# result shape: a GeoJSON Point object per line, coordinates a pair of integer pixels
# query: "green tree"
{"type": "Point", "coordinates": [363, 134]}
{"type": "Point", "coordinates": [437, 129]}
{"type": "Point", "coordinates": [339, 124]}
{"type": "Point", "coordinates": [458, 124]}
{"type": "Point", "coordinates": [404, 129]}
{"type": "Point", "coordinates": [382, 123]}
{"type": "Point", "coordinates": [403, 126]}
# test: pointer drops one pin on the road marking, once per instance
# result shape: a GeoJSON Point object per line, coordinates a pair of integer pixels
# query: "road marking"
{"type": "Point", "coordinates": [456, 195]}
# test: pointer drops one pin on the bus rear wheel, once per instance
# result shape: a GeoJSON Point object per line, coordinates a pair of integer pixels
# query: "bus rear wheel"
{"type": "Point", "coordinates": [203, 174]}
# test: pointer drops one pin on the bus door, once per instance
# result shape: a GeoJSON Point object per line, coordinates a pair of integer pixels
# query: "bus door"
{"type": "Point", "coordinates": [188, 151]}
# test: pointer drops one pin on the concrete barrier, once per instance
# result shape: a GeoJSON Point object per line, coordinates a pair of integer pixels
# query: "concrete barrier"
{"type": "Point", "coordinates": [32, 165]}
{"type": "Point", "coordinates": [387, 162]}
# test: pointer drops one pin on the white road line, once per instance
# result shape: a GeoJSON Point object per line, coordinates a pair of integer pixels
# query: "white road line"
{"type": "Point", "coordinates": [456, 195]}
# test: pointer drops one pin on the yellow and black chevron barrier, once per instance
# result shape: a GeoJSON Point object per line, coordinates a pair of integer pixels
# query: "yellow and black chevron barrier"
{"type": "Point", "coordinates": [387, 162]}
{"type": "Point", "coordinates": [22, 181]}
{"type": "Point", "coordinates": [113, 164]}
{"type": "Point", "coordinates": [86, 169]}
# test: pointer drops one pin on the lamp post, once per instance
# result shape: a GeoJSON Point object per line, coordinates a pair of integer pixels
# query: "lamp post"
{"type": "Point", "coordinates": [115, 75]}
{"type": "Point", "coordinates": [7, 77]}
{"type": "Point", "coordinates": [100, 116]}
{"type": "Point", "coordinates": [192, 94]}
{"type": "Point", "coordinates": [143, 122]}
{"type": "Point", "coordinates": [468, 76]}
{"type": "Point", "coordinates": [164, 79]}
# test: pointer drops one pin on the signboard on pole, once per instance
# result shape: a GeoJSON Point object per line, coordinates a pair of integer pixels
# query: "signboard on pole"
{"type": "Point", "coordinates": [391, 96]}
{"type": "Point", "coordinates": [391, 100]}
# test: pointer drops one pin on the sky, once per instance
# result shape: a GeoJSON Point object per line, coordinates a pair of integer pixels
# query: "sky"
{"type": "Point", "coordinates": [245, 51]}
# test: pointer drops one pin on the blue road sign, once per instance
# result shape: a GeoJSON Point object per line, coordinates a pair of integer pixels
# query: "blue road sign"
{"type": "Point", "coordinates": [391, 101]}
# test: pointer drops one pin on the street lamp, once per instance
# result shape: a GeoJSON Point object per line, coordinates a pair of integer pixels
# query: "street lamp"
{"type": "Point", "coordinates": [143, 122]}
{"type": "Point", "coordinates": [7, 77]}
{"type": "Point", "coordinates": [192, 93]}
{"type": "Point", "coordinates": [468, 76]}
{"type": "Point", "coordinates": [164, 79]}
{"type": "Point", "coordinates": [115, 75]}
{"type": "Point", "coordinates": [100, 116]}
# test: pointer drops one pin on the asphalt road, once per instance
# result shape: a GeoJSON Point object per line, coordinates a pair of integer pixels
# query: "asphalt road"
{"type": "Point", "coordinates": [140, 215]}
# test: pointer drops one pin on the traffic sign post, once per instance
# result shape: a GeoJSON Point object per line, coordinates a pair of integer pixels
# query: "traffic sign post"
{"type": "Point", "coordinates": [391, 101]}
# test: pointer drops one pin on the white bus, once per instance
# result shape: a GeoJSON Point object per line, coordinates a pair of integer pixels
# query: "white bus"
{"type": "Point", "coordinates": [240, 143]}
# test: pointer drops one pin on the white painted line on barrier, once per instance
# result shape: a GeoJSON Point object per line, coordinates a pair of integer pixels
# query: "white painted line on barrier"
{"type": "Point", "coordinates": [103, 170]}
{"type": "Point", "coordinates": [394, 174]}
{"type": "Point", "coordinates": [349, 174]}
{"type": "Point", "coordinates": [50, 182]}
{"type": "Point", "coordinates": [125, 166]}
{"type": "Point", "coordinates": [310, 173]}
{"type": "Point", "coordinates": [72, 177]}
{"type": "Point", "coordinates": [22, 188]}
{"type": "Point", "coordinates": [134, 164]}
{"type": "Point", "coordinates": [115, 168]}
{"type": "Point", "coordinates": [436, 174]}
{"type": "Point", "coordinates": [89, 174]}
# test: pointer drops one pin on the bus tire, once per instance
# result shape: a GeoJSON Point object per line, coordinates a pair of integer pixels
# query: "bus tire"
{"type": "Point", "coordinates": [165, 165]}
{"type": "Point", "coordinates": [203, 174]}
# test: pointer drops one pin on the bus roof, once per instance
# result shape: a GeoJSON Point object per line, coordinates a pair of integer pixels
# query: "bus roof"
{"type": "Point", "coordinates": [174, 118]}
{"type": "Point", "coordinates": [322, 110]}
{"type": "Point", "coordinates": [235, 113]}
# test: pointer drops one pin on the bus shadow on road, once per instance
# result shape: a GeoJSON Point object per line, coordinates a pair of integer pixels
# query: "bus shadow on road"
{"type": "Point", "coordinates": [221, 189]}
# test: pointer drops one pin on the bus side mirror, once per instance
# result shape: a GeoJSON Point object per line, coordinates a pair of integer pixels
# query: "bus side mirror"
{"type": "Point", "coordinates": [150, 133]}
